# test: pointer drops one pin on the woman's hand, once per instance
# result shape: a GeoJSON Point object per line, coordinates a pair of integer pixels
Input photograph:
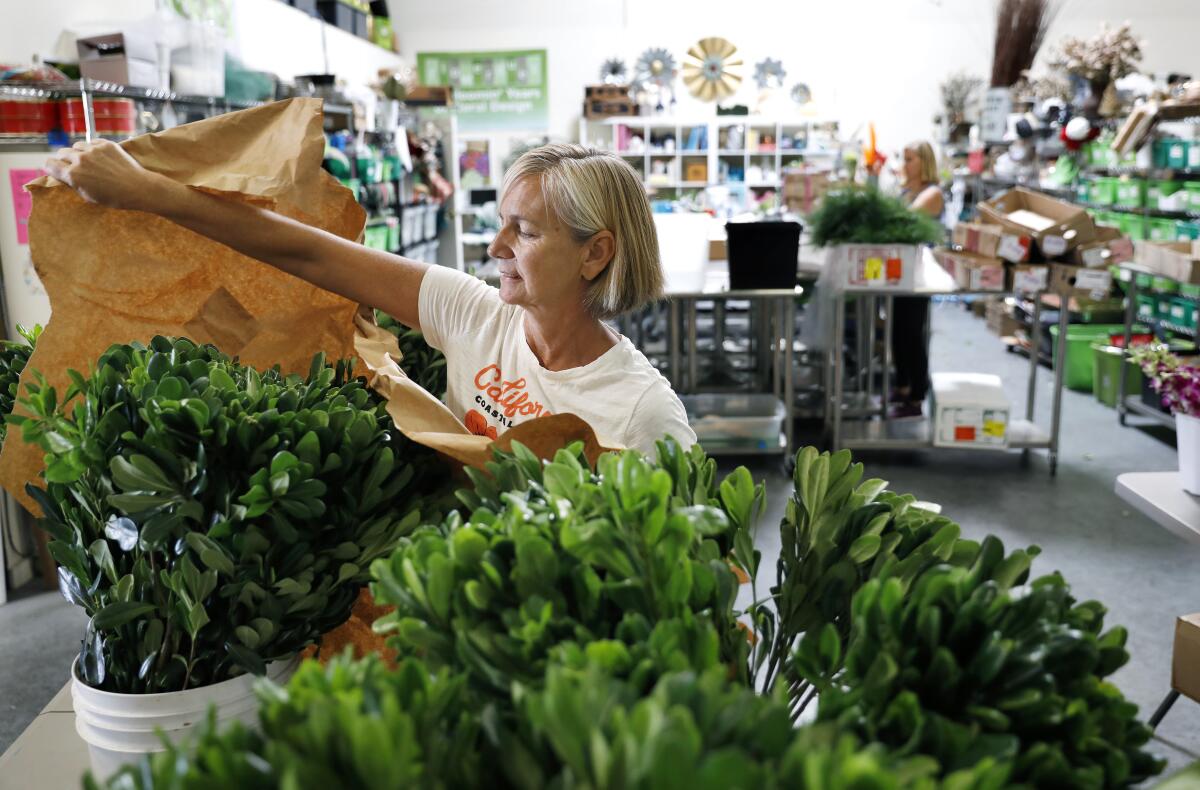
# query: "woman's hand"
{"type": "Point", "coordinates": [102, 172]}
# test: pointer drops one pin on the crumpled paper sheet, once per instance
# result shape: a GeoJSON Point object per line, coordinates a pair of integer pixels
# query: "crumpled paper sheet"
{"type": "Point", "coordinates": [116, 276]}
{"type": "Point", "coordinates": [424, 419]}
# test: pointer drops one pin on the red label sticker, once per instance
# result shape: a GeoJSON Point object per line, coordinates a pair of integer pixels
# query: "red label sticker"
{"type": "Point", "coordinates": [964, 433]}
{"type": "Point", "coordinates": [895, 268]}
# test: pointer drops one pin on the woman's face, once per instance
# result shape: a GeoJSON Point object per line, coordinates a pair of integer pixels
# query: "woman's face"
{"type": "Point", "coordinates": [540, 263]}
{"type": "Point", "coordinates": [912, 166]}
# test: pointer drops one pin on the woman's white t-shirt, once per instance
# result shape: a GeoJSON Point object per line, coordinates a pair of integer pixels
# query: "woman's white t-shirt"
{"type": "Point", "coordinates": [494, 381]}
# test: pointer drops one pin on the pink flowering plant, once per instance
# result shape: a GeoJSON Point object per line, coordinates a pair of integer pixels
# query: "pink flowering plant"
{"type": "Point", "coordinates": [1177, 382]}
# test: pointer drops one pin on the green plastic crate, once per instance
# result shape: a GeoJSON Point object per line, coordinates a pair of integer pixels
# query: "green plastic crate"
{"type": "Point", "coordinates": [1080, 337]}
{"type": "Point", "coordinates": [1171, 153]}
{"type": "Point", "coordinates": [1160, 229]}
{"type": "Point", "coordinates": [1103, 192]}
{"type": "Point", "coordinates": [1130, 192]}
{"type": "Point", "coordinates": [1193, 189]}
{"type": "Point", "coordinates": [1187, 230]}
{"type": "Point", "coordinates": [1156, 190]}
{"type": "Point", "coordinates": [1133, 226]}
{"type": "Point", "coordinates": [1082, 187]}
{"type": "Point", "coordinates": [1144, 281]}
{"type": "Point", "coordinates": [1163, 285]}
{"type": "Point", "coordinates": [1189, 290]}
{"type": "Point", "coordinates": [1146, 306]}
{"type": "Point", "coordinates": [1106, 366]}
{"type": "Point", "coordinates": [376, 236]}
{"type": "Point", "coordinates": [1183, 313]}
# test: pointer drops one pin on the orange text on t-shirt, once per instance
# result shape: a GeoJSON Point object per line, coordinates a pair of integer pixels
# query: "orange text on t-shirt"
{"type": "Point", "coordinates": [510, 396]}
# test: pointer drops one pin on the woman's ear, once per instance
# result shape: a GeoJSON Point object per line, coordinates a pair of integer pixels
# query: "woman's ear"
{"type": "Point", "coordinates": [598, 253]}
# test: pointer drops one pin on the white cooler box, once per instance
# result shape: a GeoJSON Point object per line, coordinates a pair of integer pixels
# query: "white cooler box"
{"type": "Point", "coordinates": [969, 410]}
{"type": "Point", "coordinates": [752, 421]}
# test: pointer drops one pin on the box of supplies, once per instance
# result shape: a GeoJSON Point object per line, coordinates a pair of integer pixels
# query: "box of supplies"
{"type": "Point", "coordinates": [1056, 226]}
{"type": "Point", "coordinates": [969, 410]}
{"type": "Point", "coordinates": [991, 241]}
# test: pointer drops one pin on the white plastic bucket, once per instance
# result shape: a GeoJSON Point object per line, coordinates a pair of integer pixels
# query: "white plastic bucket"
{"type": "Point", "coordinates": [120, 728]}
{"type": "Point", "coordinates": [1187, 439]}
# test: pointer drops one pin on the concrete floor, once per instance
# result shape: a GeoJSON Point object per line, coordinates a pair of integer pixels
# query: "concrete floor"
{"type": "Point", "coordinates": [1143, 574]}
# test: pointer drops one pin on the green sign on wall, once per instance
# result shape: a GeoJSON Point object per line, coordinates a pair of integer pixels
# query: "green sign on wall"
{"type": "Point", "coordinates": [492, 90]}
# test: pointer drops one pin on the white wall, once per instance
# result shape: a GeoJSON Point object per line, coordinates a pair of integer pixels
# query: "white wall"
{"type": "Point", "coordinates": [267, 35]}
{"type": "Point", "coordinates": [865, 60]}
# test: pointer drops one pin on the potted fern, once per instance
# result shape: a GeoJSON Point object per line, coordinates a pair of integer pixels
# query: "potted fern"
{"type": "Point", "coordinates": [212, 521]}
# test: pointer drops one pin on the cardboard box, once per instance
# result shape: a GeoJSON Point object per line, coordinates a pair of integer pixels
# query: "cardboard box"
{"type": "Point", "coordinates": [1056, 226]}
{"type": "Point", "coordinates": [1109, 247]}
{"type": "Point", "coordinates": [992, 241]}
{"type": "Point", "coordinates": [1030, 278]}
{"type": "Point", "coordinates": [969, 410]}
{"type": "Point", "coordinates": [595, 109]}
{"type": "Point", "coordinates": [1185, 659]}
{"type": "Point", "coordinates": [972, 272]}
{"type": "Point", "coordinates": [1000, 320]}
{"type": "Point", "coordinates": [1179, 260]}
{"type": "Point", "coordinates": [804, 189]}
{"type": "Point", "coordinates": [606, 92]}
{"type": "Point", "coordinates": [882, 267]}
{"type": "Point", "coordinates": [1070, 280]}
{"type": "Point", "coordinates": [122, 58]}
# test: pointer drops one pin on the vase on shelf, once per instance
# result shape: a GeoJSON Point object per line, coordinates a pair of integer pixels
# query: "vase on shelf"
{"type": "Point", "coordinates": [1187, 439]}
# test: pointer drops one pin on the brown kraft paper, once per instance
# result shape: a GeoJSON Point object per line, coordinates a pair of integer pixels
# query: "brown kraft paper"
{"type": "Point", "coordinates": [117, 276]}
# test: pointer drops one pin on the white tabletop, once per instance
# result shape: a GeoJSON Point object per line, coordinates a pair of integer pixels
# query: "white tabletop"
{"type": "Point", "coordinates": [1160, 496]}
{"type": "Point", "coordinates": [49, 755]}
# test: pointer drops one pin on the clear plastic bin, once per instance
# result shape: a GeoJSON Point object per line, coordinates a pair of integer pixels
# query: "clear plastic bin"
{"type": "Point", "coordinates": [752, 421]}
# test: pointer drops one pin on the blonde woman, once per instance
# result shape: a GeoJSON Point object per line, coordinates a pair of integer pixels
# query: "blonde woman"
{"type": "Point", "coordinates": [910, 314]}
{"type": "Point", "coordinates": [576, 247]}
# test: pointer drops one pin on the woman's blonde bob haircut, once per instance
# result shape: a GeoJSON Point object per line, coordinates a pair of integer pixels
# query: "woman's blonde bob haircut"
{"type": "Point", "coordinates": [924, 152]}
{"type": "Point", "coordinates": [590, 191]}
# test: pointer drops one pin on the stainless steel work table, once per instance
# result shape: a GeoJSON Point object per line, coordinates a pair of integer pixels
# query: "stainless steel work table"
{"type": "Point", "coordinates": [917, 433]}
{"type": "Point", "coordinates": [780, 312]}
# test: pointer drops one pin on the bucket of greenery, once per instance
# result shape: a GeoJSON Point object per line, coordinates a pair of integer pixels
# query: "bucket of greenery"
{"type": "Point", "coordinates": [873, 239]}
{"type": "Point", "coordinates": [212, 521]}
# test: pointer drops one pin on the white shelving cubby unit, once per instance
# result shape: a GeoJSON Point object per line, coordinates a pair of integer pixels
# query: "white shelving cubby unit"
{"type": "Point", "coordinates": [744, 154]}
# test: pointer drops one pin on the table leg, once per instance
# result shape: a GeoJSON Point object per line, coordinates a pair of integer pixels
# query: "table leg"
{"type": "Point", "coordinates": [773, 308]}
{"type": "Point", "coordinates": [719, 335]}
{"type": "Point", "coordinates": [1130, 308]}
{"type": "Point", "coordinates": [1060, 367]}
{"type": "Point", "coordinates": [872, 310]}
{"type": "Point", "coordinates": [673, 343]}
{"type": "Point", "coordinates": [1163, 708]}
{"type": "Point", "coordinates": [1035, 343]}
{"type": "Point", "coordinates": [839, 339]}
{"type": "Point", "coordinates": [692, 351]}
{"type": "Point", "coordinates": [888, 302]}
{"type": "Point", "coordinates": [789, 379]}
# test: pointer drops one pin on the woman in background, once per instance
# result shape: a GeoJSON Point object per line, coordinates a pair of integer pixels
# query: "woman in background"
{"type": "Point", "coordinates": [910, 314]}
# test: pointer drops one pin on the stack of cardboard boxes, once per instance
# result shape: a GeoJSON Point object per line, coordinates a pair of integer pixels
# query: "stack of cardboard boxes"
{"type": "Point", "coordinates": [1028, 242]}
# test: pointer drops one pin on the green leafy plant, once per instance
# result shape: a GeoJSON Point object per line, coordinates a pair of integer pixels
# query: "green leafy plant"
{"type": "Point", "coordinates": [351, 724]}
{"type": "Point", "coordinates": [968, 664]}
{"type": "Point", "coordinates": [354, 724]}
{"type": "Point", "coordinates": [555, 555]}
{"type": "Point", "coordinates": [698, 730]}
{"type": "Point", "coordinates": [13, 357]}
{"type": "Point", "coordinates": [864, 215]}
{"type": "Point", "coordinates": [420, 362]}
{"type": "Point", "coordinates": [838, 532]}
{"type": "Point", "coordinates": [210, 518]}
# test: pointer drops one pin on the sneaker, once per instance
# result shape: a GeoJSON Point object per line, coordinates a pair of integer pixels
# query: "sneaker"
{"type": "Point", "coordinates": [904, 410]}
